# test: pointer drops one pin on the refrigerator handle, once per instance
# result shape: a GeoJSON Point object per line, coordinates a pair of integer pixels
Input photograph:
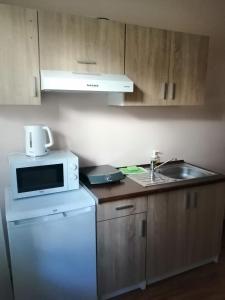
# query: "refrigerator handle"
{"type": "Point", "coordinates": [52, 217]}
{"type": "Point", "coordinates": [34, 220]}
{"type": "Point", "coordinates": [76, 212]}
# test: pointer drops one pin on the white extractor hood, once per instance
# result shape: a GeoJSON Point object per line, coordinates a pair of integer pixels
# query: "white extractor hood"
{"type": "Point", "coordinates": [72, 81]}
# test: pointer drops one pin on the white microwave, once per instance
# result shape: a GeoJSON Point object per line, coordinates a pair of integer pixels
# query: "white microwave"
{"type": "Point", "coordinates": [58, 171]}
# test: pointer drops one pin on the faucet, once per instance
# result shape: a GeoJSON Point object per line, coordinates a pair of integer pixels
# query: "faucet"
{"type": "Point", "coordinates": [153, 167]}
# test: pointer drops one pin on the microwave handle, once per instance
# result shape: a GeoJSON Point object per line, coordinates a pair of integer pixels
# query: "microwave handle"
{"type": "Point", "coordinates": [51, 141]}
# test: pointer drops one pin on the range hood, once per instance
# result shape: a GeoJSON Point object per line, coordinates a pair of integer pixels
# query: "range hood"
{"type": "Point", "coordinates": [72, 81]}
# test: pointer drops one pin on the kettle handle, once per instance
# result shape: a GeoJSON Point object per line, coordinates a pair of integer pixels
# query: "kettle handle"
{"type": "Point", "coordinates": [51, 140]}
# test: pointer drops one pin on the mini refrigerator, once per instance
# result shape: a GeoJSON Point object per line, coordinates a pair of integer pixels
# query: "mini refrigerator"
{"type": "Point", "coordinates": [52, 241]}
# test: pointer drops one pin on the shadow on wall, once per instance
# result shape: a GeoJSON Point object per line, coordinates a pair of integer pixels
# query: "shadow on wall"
{"type": "Point", "coordinates": [214, 108]}
{"type": "Point", "coordinates": [59, 140]}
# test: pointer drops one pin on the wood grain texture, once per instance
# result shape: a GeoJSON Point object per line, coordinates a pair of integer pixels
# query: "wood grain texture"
{"type": "Point", "coordinates": [121, 208]}
{"type": "Point", "coordinates": [67, 39]}
{"type": "Point", "coordinates": [182, 232]}
{"type": "Point", "coordinates": [19, 57]}
{"type": "Point", "coordinates": [166, 240]}
{"type": "Point", "coordinates": [206, 282]}
{"type": "Point", "coordinates": [188, 68]}
{"type": "Point", "coordinates": [121, 253]}
{"type": "Point", "coordinates": [147, 64]}
{"type": "Point", "coordinates": [205, 222]}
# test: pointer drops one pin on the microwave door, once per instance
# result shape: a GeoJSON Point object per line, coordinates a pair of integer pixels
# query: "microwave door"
{"type": "Point", "coordinates": [36, 180]}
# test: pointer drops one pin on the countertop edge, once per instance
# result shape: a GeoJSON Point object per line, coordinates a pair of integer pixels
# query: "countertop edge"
{"type": "Point", "coordinates": [159, 189]}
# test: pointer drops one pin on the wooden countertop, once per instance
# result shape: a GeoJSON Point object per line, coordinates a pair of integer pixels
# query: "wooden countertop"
{"type": "Point", "coordinates": [128, 188]}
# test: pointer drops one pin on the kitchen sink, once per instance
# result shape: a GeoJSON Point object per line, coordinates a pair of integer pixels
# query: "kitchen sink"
{"type": "Point", "coordinates": [170, 173]}
{"type": "Point", "coordinates": [183, 172]}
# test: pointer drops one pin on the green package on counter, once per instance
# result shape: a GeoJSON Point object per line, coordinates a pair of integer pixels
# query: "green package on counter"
{"type": "Point", "coordinates": [132, 170]}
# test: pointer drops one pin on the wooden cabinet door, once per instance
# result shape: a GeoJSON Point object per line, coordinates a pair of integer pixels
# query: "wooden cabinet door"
{"type": "Point", "coordinates": [121, 253]}
{"type": "Point", "coordinates": [147, 64]}
{"type": "Point", "coordinates": [205, 223]}
{"type": "Point", "coordinates": [188, 66]}
{"type": "Point", "coordinates": [166, 238]}
{"type": "Point", "coordinates": [73, 43]}
{"type": "Point", "coordinates": [19, 57]}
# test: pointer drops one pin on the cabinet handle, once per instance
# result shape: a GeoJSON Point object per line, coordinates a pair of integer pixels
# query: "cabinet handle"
{"type": "Point", "coordinates": [195, 200]}
{"type": "Point", "coordinates": [172, 91]}
{"type": "Point", "coordinates": [143, 228]}
{"type": "Point", "coordinates": [35, 87]}
{"type": "Point", "coordinates": [86, 62]}
{"type": "Point", "coordinates": [124, 207]}
{"type": "Point", "coordinates": [188, 200]}
{"type": "Point", "coordinates": [164, 90]}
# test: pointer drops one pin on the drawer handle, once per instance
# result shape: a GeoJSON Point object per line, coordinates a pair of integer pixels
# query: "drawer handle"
{"type": "Point", "coordinates": [124, 207]}
{"type": "Point", "coordinates": [88, 62]}
{"type": "Point", "coordinates": [164, 90]}
{"type": "Point", "coordinates": [188, 200]}
{"type": "Point", "coordinates": [143, 228]}
{"type": "Point", "coordinates": [35, 87]}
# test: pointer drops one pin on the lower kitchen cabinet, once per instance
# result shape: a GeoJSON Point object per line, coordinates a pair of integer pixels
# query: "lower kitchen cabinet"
{"type": "Point", "coordinates": [146, 239]}
{"type": "Point", "coordinates": [205, 223]}
{"type": "Point", "coordinates": [121, 254]}
{"type": "Point", "coordinates": [166, 240]}
{"type": "Point", "coordinates": [184, 229]}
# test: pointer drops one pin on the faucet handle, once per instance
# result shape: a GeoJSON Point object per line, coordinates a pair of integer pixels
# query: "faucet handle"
{"type": "Point", "coordinates": [156, 156]}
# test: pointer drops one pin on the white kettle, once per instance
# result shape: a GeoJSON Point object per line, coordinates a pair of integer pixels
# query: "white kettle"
{"type": "Point", "coordinates": [36, 140]}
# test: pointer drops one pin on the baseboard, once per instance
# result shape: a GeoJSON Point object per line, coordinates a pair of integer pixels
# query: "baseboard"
{"type": "Point", "coordinates": [182, 270]}
{"type": "Point", "coordinates": [140, 285]}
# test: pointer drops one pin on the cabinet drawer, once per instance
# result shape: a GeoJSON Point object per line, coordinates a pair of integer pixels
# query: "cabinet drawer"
{"type": "Point", "coordinates": [121, 208]}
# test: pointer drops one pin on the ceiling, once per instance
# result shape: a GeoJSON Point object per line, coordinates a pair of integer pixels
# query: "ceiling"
{"type": "Point", "coordinates": [197, 16]}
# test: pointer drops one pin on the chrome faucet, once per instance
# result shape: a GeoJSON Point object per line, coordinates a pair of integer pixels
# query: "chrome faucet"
{"type": "Point", "coordinates": [153, 167]}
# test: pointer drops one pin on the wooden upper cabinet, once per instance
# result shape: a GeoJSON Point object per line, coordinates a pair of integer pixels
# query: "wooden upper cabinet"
{"type": "Point", "coordinates": [188, 66]}
{"type": "Point", "coordinates": [19, 57]}
{"type": "Point", "coordinates": [147, 63]}
{"type": "Point", "coordinates": [74, 43]}
{"type": "Point", "coordinates": [168, 68]}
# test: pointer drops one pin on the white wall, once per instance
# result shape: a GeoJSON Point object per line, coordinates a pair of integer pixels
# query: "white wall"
{"type": "Point", "coordinates": [120, 136]}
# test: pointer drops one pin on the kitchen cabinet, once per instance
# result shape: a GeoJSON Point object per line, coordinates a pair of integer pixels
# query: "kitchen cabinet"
{"type": "Point", "coordinates": [168, 68]}
{"type": "Point", "coordinates": [188, 67]}
{"type": "Point", "coordinates": [19, 57]}
{"type": "Point", "coordinates": [166, 241]}
{"type": "Point", "coordinates": [147, 59]}
{"type": "Point", "coordinates": [205, 219]}
{"type": "Point", "coordinates": [74, 43]}
{"type": "Point", "coordinates": [184, 230]}
{"type": "Point", "coordinates": [121, 244]}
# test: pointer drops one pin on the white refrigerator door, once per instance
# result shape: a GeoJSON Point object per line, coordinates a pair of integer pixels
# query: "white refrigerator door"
{"type": "Point", "coordinates": [54, 257]}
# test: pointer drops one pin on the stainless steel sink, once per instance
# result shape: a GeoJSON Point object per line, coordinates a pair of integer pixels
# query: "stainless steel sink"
{"type": "Point", "coordinates": [183, 171]}
{"type": "Point", "coordinates": [170, 173]}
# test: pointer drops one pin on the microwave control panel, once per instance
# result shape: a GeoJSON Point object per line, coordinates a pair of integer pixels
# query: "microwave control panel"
{"type": "Point", "coordinates": [73, 173]}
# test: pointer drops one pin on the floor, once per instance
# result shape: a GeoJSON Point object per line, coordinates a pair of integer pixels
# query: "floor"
{"type": "Point", "coordinates": [204, 283]}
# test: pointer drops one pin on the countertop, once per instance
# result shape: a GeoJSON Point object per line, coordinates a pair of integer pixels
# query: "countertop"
{"type": "Point", "coordinates": [128, 188]}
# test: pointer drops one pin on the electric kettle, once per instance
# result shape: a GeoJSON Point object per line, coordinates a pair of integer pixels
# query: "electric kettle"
{"type": "Point", "coordinates": [36, 140]}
